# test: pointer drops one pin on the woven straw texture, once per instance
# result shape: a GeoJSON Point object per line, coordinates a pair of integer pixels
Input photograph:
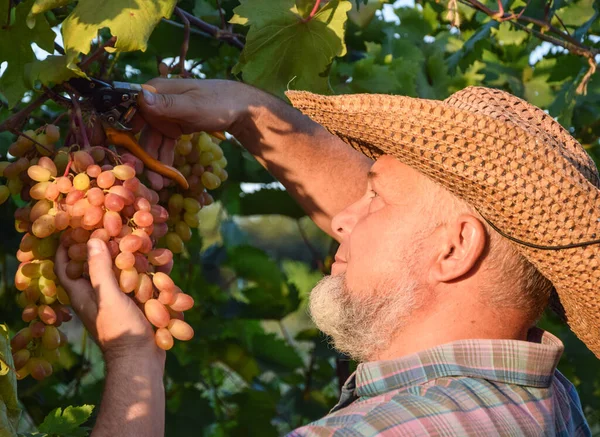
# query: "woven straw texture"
{"type": "Point", "coordinates": [510, 160]}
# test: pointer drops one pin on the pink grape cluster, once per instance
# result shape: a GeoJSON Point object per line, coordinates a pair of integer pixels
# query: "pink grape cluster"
{"type": "Point", "coordinates": [91, 199]}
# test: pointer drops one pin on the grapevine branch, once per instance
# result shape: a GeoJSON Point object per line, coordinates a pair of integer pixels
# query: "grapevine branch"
{"type": "Point", "coordinates": [186, 41]}
{"type": "Point", "coordinates": [224, 35]}
{"type": "Point", "coordinates": [557, 37]}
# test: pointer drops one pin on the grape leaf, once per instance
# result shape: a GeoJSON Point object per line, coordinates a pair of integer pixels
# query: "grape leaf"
{"type": "Point", "coordinates": [130, 21]}
{"type": "Point", "coordinates": [50, 71]}
{"type": "Point", "coordinates": [506, 34]}
{"type": "Point", "coordinates": [281, 47]}
{"type": "Point", "coordinates": [67, 422]}
{"type": "Point", "coordinates": [9, 409]}
{"type": "Point", "coordinates": [576, 13]}
{"type": "Point", "coordinates": [15, 48]}
{"type": "Point", "coordinates": [40, 6]}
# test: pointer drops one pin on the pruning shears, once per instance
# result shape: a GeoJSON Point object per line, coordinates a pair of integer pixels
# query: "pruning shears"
{"type": "Point", "coordinates": [116, 104]}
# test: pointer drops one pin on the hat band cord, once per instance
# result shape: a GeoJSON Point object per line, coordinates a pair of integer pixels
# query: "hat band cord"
{"type": "Point", "coordinates": [537, 246]}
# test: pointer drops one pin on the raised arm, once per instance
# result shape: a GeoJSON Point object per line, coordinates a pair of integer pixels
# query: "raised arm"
{"type": "Point", "coordinates": [322, 173]}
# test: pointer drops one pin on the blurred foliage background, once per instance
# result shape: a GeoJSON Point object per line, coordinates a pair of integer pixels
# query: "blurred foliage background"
{"type": "Point", "coordinates": [257, 365]}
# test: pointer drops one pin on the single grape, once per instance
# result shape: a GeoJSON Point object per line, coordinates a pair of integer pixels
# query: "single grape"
{"type": "Point", "coordinates": [128, 280]}
{"type": "Point", "coordinates": [164, 339]}
{"type": "Point", "coordinates": [20, 358]}
{"type": "Point", "coordinates": [143, 218]}
{"type": "Point", "coordinates": [51, 338]}
{"type": "Point", "coordinates": [210, 180]}
{"type": "Point", "coordinates": [62, 296]}
{"type": "Point", "coordinates": [29, 313]}
{"type": "Point", "coordinates": [156, 313]}
{"type": "Point", "coordinates": [80, 235]}
{"type": "Point", "coordinates": [22, 339]}
{"type": "Point", "coordinates": [125, 260]}
{"type": "Point", "coordinates": [184, 231]}
{"type": "Point", "coordinates": [123, 172]}
{"type": "Point", "coordinates": [93, 171]}
{"type": "Point", "coordinates": [180, 330]}
{"type": "Point", "coordinates": [46, 314]}
{"type": "Point", "coordinates": [143, 288]}
{"type": "Point", "coordinates": [81, 182]}
{"type": "Point", "coordinates": [81, 161]}
{"type": "Point", "coordinates": [174, 242]}
{"type": "Point", "coordinates": [4, 193]}
{"type": "Point", "coordinates": [78, 252]}
{"type": "Point", "coordinates": [44, 226]}
{"type": "Point", "coordinates": [36, 368]}
{"type": "Point", "coordinates": [105, 180]}
{"type": "Point", "coordinates": [183, 302]}
{"type": "Point", "coordinates": [93, 215]}
{"type": "Point", "coordinates": [74, 269]}
{"type": "Point", "coordinates": [95, 196]}
{"type": "Point", "coordinates": [160, 257]}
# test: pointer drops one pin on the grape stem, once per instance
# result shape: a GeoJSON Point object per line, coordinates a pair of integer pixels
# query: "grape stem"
{"type": "Point", "coordinates": [186, 42]}
{"type": "Point", "coordinates": [69, 164]}
{"type": "Point", "coordinates": [79, 120]}
{"type": "Point", "coordinates": [313, 12]}
{"type": "Point", "coordinates": [98, 53]}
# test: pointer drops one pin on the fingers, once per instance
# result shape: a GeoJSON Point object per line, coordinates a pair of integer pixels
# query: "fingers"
{"type": "Point", "coordinates": [79, 290]}
{"type": "Point", "coordinates": [102, 276]}
{"type": "Point", "coordinates": [151, 140]}
{"type": "Point", "coordinates": [172, 86]}
{"type": "Point", "coordinates": [167, 151]}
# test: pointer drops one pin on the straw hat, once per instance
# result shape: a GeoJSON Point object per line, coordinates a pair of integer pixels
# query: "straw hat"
{"type": "Point", "coordinates": [519, 168]}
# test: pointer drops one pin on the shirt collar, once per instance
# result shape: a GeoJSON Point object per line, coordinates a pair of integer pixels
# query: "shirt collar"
{"type": "Point", "coordinates": [528, 363]}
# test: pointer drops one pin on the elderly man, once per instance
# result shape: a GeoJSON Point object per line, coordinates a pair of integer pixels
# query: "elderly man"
{"type": "Point", "coordinates": [451, 244]}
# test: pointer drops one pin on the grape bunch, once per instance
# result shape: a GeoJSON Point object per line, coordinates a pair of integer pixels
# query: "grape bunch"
{"type": "Point", "coordinates": [76, 196]}
{"type": "Point", "coordinates": [201, 161]}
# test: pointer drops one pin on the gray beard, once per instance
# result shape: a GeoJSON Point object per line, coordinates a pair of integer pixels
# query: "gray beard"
{"type": "Point", "coordinates": [362, 324]}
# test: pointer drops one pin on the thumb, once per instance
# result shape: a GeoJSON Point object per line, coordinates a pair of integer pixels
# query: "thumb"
{"type": "Point", "coordinates": [158, 105]}
{"type": "Point", "coordinates": [100, 264]}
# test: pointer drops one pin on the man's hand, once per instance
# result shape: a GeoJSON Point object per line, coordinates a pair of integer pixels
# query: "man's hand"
{"type": "Point", "coordinates": [183, 106]}
{"type": "Point", "coordinates": [114, 320]}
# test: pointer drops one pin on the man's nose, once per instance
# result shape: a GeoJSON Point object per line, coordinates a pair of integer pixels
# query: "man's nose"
{"type": "Point", "coordinates": [343, 223]}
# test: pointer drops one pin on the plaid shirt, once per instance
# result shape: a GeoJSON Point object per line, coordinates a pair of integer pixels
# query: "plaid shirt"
{"type": "Point", "coordinates": [464, 388]}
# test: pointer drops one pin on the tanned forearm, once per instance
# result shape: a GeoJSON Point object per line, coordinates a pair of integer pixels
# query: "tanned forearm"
{"type": "Point", "coordinates": [133, 402]}
{"type": "Point", "coordinates": [318, 169]}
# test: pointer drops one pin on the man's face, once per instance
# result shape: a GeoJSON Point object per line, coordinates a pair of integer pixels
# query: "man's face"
{"type": "Point", "coordinates": [377, 280]}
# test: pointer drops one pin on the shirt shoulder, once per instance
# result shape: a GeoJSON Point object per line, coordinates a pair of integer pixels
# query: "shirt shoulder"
{"type": "Point", "coordinates": [453, 407]}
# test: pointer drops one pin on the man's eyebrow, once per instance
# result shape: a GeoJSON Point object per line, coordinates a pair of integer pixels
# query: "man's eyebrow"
{"type": "Point", "coordinates": [372, 174]}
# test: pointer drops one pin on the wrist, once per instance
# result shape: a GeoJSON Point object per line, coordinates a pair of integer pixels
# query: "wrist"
{"type": "Point", "coordinates": [147, 357]}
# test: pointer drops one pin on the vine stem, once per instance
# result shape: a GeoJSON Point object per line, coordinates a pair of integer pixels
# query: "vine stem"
{"type": "Point", "coordinates": [313, 12]}
{"type": "Point", "coordinates": [186, 41]}
{"type": "Point", "coordinates": [79, 121]}
{"type": "Point", "coordinates": [99, 52]}
{"type": "Point", "coordinates": [212, 30]}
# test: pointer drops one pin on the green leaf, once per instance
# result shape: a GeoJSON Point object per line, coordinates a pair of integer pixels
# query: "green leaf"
{"type": "Point", "coordinates": [255, 265]}
{"type": "Point", "coordinates": [130, 21]}
{"type": "Point", "coordinates": [576, 13]}
{"type": "Point", "coordinates": [67, 422]}
{"type": "Point", "coordinates": [482, 35]}
{"type": "Point", "coordinates": [275, 354]}
{"type": "Point", "coordinates": [506, 34]}
{"type": "Point", "coordinates": [51, 71]}
{"type": "Point", "coordinates": [203, 9]}
{"type": "Point", "coordinates": [9, 408]}
{"type": "Point", "coordinates": [283, 50]}
{"type": "Point", "coordinates": [15, 48]}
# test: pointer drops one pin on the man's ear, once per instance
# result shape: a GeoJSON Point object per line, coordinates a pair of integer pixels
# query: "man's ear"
{"type": "Point", "coordinates": [460, 249]}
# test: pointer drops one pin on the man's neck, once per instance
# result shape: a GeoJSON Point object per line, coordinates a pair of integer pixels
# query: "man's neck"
{"type": "Point", "coordinates": [452, 321]}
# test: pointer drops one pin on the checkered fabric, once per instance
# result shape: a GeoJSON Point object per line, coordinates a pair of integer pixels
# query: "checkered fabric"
{"type": "Point", "coordinates": [465, 388]}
